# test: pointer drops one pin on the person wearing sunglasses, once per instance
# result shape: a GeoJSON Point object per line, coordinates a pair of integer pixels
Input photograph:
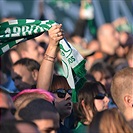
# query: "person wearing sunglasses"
{"type": "Point", "coordinates": [62, 92]}
{"type": "Point", "coordinates": [92, 98]}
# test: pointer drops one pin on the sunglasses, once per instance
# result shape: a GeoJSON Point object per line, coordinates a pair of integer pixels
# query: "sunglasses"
{"type": "Point", "coordinates": [5, 110]}
{"type": "Point", "coordinates": [61, 93]}
{"type": "Point", "coordinates": [100, 96]}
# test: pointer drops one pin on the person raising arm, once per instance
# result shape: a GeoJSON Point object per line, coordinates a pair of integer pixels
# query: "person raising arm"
{"type": "Point", "coordinates": [47, 65]}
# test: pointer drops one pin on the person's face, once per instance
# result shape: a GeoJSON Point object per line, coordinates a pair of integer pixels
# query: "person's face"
{"type": "Point", "coordinates": [112, 38]}
{"type": "Point", "coordinates": [6, 107]}
{"type": "Point", "coordinates": [48, 125]}
{"type": "Point", "coordinates": [63, 105]}
{"type": "Point", "coordinates": [22, 77]}
{"type": "Point", "coordinates": [34, 51]}
{"type": "Point", "coordinates": [101, 100]}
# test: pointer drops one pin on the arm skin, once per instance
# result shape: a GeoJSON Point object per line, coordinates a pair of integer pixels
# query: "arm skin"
{"type": "Point", "coordinates": [47, 67]}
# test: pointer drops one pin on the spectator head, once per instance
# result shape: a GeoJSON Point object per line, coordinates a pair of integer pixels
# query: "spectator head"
{"type": "Point", "coordinates": [92, 98]}
{"type": "Point", "coordinates": [121, 51]}
{"type": "Point", "coordinates": [62, 92]}
{"type": "Point", "coordinates": [20, 126]}
{"type": "Point", "coordinates": [109, 121]}
{"type": "Point", "coordinates": [32, 93]}
{"type": "Point", "coordinates": [30, 49]}
{"type": "Point", "coordinates": [122, 91]}
{"type": "Point", "coordinates": [41, 112]}
{"type": "Point", "coordinates": [7, 108]}
{"type": "Point", "coordinates": [108, 38]}
{"type": "Point", "coordinates": [25, 73]}
{"type": "Point", "coordinates": [102, 74]}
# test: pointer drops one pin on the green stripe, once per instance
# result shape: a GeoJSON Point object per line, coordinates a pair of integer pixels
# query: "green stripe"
{"type": "Point", "coordinates": [23, 28]}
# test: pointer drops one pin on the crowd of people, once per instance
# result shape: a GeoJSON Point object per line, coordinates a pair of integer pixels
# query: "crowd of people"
{"type": "Point", "coordinates": [36, 97]}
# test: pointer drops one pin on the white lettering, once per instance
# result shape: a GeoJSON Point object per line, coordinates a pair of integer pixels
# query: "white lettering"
{"type": "Point", "coordinates": [24, 30]}
{"type": "Point", "coordinates": [16, 31]}
{"type": "Point", "coordinates": [31, 29]}
{"type": "Point", "coordinates": [38, 29]}
{"type": "Point", "coordinates": [7, 32]}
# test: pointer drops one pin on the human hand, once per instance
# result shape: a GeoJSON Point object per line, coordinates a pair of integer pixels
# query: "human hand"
{"type": "Point", "coordinates": [55, 34]}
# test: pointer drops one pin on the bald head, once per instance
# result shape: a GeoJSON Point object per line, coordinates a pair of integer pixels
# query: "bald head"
{"type": "Point", "coordinates": [108, 38]}
{"type": "Point", "coordinates": [103, 29]}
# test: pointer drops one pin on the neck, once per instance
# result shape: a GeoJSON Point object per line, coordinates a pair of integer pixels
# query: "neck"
{"type": "Point", "coordinates": [129, 116]}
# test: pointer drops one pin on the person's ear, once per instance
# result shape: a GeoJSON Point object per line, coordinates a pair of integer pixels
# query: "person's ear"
{"type": "Point", "coordinates": [82, 103]}
{"type": "Point", "coordinates": [84, 107]}
{"type": "Point", "coordinates": [128, 100]}
{"type": "Point", "coordinates": [35, 74]}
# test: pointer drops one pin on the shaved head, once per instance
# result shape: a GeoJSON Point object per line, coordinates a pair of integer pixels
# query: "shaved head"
{"type": "Point", "coordinates": [122, 84]}
{"type": "Point", "coordinates": [104, 29]}
{"type": "Point", "coordinates": [108, 38]}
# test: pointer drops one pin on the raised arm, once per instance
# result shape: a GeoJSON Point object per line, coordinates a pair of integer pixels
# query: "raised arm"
{"type": "Point", "coordinates": [47, 66]}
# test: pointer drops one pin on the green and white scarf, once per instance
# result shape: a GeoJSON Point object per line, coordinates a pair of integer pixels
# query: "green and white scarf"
{"type": "Point", "coordinates": [16, 31]}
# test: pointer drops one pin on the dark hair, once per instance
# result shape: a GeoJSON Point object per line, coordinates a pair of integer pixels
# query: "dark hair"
{"type": "Point", "coordinates": [30, 64]}
{"type": "Point", "coordinates": [87, 93]}
{"type": "Point", "coordinates": [59, 82]}
{"type": "Point", "coordinates": [98, 66]}
{"type": "Point", "coordinates": [37, 109]}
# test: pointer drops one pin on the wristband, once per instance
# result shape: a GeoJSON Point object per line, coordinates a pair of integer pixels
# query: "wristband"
{"type": "Point", "coordinates": [49, 58]}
